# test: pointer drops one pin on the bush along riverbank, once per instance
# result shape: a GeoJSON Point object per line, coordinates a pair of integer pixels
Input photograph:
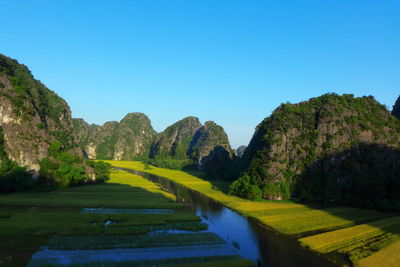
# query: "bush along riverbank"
{"type": "Point", "coordinates": [322, 229]}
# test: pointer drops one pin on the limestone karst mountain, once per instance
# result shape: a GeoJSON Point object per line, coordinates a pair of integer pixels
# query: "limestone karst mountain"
{"type": "Point", "coordinates": [176, 140]}
{"type": "Point", "coordinates": [32, 117]}
{"type": "Point", "coordinates": [129, 139]}
{"type": "Point", "coordinates": [327, 149]}
{"type": "Point", "coordinates": [186, 142]}
{"type": "Point", "coordinates": [240, 151]}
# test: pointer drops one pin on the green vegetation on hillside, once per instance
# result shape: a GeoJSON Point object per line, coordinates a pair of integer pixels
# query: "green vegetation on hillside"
{"type": "Point", "coordinates": [129, 139]}
{"type": "Point", "coordinates": [12, 177]}
{"type": "Point", "coordinates": [175, 141]}
{"type": "Point", "coordinates": [64, 169]}
{"type": "Point", "coordinates": [169, 163]}
{"type": "Point", "coordinates": [188, 144]}
{"type": "Point", "coordinates": [332, 148]}
{"type": "Point", "coordinates": [44, 102]}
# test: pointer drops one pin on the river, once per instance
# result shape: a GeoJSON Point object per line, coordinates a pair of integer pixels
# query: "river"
{"type": "Point", "coordinates": [249, 239]}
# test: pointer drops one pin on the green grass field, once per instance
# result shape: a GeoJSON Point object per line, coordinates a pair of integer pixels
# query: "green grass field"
{"type": "Point", "coordinates": [361, 235]}
{"type": "Point", "coordinates": [30, 220]}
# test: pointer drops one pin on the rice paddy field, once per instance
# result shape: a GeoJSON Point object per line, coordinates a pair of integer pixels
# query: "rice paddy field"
{"type": "Point", "coordinates": [127, 221]}
{"type": "Point", "coordinates": [362, 237]}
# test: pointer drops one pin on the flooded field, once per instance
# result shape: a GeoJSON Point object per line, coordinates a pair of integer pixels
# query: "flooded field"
{"type": "Point", "coordinates": [126, 221]}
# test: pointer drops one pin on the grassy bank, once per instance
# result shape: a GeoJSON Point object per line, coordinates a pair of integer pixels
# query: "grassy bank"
{"type": "Point", "coordinates": [55, 220]}
{"type": "Point", "coordinates": [358, 234]}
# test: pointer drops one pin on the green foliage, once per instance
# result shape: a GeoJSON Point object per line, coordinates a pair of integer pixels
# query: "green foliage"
{"type": "Point", "coordinates": [175, 141]}
{"type": "Point", "coordinates": [68, 158]}
{"type": "Point", "coordinates": [15, 179]}
{"type": "Point", "coordinates": [102, 170]}
{"type": "Point", "coordinates": [169, 163]}
{"type": "Point", "coordinates": [12, 177]}
{"type": "Point", "coordinates": [40, 125]}
{"type": "Point", "coordinates": [48, 104]}
{"type": "Point", "coordinates": [369, 177]}
{"type": "Point", "coordinates": [62, 168]}
{"type": "Point", "coordinates": [218, 164]}
{"type": "Point", "coordinates": [242, 187]}
{"type": "Point", "coordinates": [209, 136]}
{"type": "Point", "coordinates": [295, 137]}
{"type": "Point", "coordinates": [279, 190]}
{"type": "Point", "coordinates": [105, 150]}
{"type": "Point", "coordinates": [67, 174]}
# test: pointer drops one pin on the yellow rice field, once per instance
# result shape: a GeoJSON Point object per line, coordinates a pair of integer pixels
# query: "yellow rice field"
{"type": "Point", "coordinates": [383, 258]}
{"type": "Point", "coordinates": [362, 235]}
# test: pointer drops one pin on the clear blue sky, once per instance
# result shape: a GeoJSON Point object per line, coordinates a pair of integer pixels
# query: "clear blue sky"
{"type": "Point", "coordinates": [229, 61]}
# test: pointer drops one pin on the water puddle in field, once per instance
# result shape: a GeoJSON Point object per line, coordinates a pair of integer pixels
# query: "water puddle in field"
{"type": "Point", "coordinates": [173, 231]}
{"type": "Point", "coordinates": [126, 211]}
{"type": "Point", "coordinates": [64, 257]}
{"type": "Point", "coordinates": [108, 222]}
{"type": "Point", "coordinates": [228, 235]}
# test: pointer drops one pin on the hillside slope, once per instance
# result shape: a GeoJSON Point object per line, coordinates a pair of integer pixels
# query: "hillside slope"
{"type": "Point", "coordinates": [330, 148]}
{"type": "Point", "coordinates": [32, 117]}
{"type": "Point", "coordinates": [175, 140]}
{"type": "Point", "coordinates": [188, 142]}
{"type": "Point", "coordinates": [131, 138]}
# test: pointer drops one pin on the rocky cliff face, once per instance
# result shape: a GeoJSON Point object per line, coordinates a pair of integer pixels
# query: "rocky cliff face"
{"type": "Point", "coordinates": [209, 143]}
{"type": "Point", "coordinates": [323, 134]}
{"type": "Point", "coordinates": [240, 151]}
{"type": "Point", "coordinates": [128, 139]}
{"type": "Point", "coordinates": [134, 137]}
{"type": "Point", "coordinates": [188, 139]}
{"type": "Point", "coordinates": [81, 132]}
{"type": "Point", "coordinates": [31, 116]}
{"type": "Point", "coordinates": [176, 139]}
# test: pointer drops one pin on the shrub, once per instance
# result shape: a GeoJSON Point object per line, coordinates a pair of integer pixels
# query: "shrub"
{"type": "Point", "coordinates": [101, 170]}
{"type": "Point", "coordinates": [243, 188]}
{"type": "Point", "coordinates": [16, 179]}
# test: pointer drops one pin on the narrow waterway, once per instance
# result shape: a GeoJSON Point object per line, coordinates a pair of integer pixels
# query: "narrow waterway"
{"type": "Point", "coordinates": [248, 238]}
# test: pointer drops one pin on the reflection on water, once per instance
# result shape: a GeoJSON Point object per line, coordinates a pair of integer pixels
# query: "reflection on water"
{"type": "Point", "coordinates": [126, 211]}
{"type": "Point", "coordinates": [233, 228]}
{"type": "Point", "coordinates": [47, 257]}
{"type": "Point", "coordinates": [246, 237]}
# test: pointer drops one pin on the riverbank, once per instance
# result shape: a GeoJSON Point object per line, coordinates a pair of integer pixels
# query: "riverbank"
{"type": "Point", "coordinates": [127, 220]}
{"type": "Point", "coordinates": [338, 233]}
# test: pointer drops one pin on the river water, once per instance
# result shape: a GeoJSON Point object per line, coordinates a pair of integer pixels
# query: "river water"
{"type": "Point", "coordinates": [247, 237]}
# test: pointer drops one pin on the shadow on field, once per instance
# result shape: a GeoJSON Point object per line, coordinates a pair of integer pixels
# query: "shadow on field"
{"type": "Point", "coordinates": [367, 175]}
{"type": "Point", "coordinates": [365, 179]}
{"type": "Point", "coordinates": [35, 217]}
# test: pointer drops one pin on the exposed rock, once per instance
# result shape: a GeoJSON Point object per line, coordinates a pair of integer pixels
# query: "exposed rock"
{"type": "Point", "coordinates": [31, 116]}
{"type": "Point", "coordinates": [131, 138]}
{"type": "Point", "coordinates": [187, 139]}
{"type": "Point", "coordinates": [175, 140]}
{"type": "Point", "coordinates": [240, 151]}
{"type": "Point", "coordinates": [288, 143]}
{"type": "Point", "coordinates": [205, 141]}
{"type": "Point", "coordinates": [134, 137]}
